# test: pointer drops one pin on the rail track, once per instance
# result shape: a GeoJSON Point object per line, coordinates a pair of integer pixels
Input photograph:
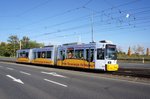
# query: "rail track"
{"type": "Point", "coordinates": [134, 72]}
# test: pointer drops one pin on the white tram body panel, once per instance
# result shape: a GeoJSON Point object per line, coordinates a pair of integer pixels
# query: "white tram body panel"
{"type": "Point", "coordinates": [24, 55]}
{"type": "Point", "coordinates": [44, 55]}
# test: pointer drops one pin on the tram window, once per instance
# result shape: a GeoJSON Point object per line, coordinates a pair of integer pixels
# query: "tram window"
{"type": "Point", "coordinates": [70, 53]}
{"type": "Point", "coordinates": [87, 54]}
{"type": "Point", "coordinates": [20, 55]}
{"type": "Point", "coordinates": [62, 55]}
{"type": "Point", "coordinates": [100, 53]}
{"type": "Point", "coordinates": [34, 56]}
{"type": "Point", "coordinates": [49, 54]}
{"type": "Point", "coordinates": [43, 55]}
{"type": "Point", "coordinates": [79, 54]}
{"type": "Point", "coordinates": [39, 54]}
{"type": "Point", "coordinates": [26, 55]}
{"type": "Point", "coordinates": [111, 53]}
{"type": "Point", "coordinates": [23, 54]}
{"type": "Point", "coordinates": [91, 54]}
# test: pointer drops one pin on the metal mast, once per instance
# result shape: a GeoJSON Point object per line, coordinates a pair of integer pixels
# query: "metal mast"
{"type": "Point", "coordinates": [92, 37]}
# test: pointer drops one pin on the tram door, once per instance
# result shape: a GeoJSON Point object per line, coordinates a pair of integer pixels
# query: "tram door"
{"type": "Point", "coordinates": [90, 57]}
{"type": "Point", "coordinates": [100, 59]}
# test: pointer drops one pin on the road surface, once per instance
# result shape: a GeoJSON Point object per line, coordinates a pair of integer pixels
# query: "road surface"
{"type": "Point", "coordinates": [19, 81]}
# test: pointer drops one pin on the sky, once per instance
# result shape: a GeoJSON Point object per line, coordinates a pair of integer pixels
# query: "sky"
{"type": "Point", "coordinates": [124, 22]}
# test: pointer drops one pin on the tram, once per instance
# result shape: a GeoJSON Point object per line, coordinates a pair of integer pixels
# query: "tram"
{"type": "Point", "coordinates": [95, 55]}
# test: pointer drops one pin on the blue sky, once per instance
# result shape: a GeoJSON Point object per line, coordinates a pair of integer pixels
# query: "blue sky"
{"type": "Point", "coordinates": [124, 22]}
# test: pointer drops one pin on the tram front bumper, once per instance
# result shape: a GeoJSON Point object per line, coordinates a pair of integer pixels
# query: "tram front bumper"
{"type": "Point", "coordinates": [112, 67]}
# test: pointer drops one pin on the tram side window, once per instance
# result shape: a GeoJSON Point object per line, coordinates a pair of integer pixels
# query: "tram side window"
{"type": "Point", "coordinates": [70, 53]}
{"type": "Point", "coordinates": [20, 55]}
{"type": "Point", "coordinates": [100, 54]}
{"type": "Point", "coordinates": [87, 54]}
{"type": "Point", "coordinates": [43, 55]}
{"type": "Point", "coordinates": [49, 53]}
{"type": "Point", "coordinates": [27, 54]}
{"type": "Point", "coordinates": [39, 54]}
{"type": "Point", "coordinates": [79, 54]}
{"type": "Point", "coordinates": [62, 55]}
{"type": "Point", "coordinates": [34, 55]}
{"type": "Point", "coordinates": [23, 54]}
{"type": "Point", "coordinates": [90, 55]}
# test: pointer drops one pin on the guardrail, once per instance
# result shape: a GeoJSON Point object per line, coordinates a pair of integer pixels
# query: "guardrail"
{"type": "Point", "coordinates": [141, 73]}
{"type": "Point", "coordinates": [134, 60]}
{"type": "Point", "coordinates": [7, 59]}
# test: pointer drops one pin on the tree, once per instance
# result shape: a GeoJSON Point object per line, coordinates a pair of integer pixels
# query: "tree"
{"type": "Point", "coordinates": [25, 42]}
{"type": "Point", "coordinates": [120, 52]}
{"type": "Point", "coordinates": [138, 50]}
{"type": "Point", "coordinates": [2, 48]}
{"type": "Point", "coordinates": [13, 43]}
{"type": "Point", "coordinates": [3, 44]}
{"type": "Point", "coordinates": [10, 48]}
{"type": "Point", "coordinates": [5, 50]}
{"type": "Point", "coordinates": [119, 49]}
{"type": "Point", "coordinates": [34, 44]}
{"type": "Point", "coordinates": [129, 51]}
{"type": "Point", "coordinates": [147, 52]}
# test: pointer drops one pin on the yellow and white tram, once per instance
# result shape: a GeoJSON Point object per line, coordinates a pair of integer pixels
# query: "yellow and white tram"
{"type": "Point", "coordinates": [101, 55]}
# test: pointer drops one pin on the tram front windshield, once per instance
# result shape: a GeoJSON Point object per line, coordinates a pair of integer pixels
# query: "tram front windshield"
{"type": "Point", "coordinates": [111, 52]}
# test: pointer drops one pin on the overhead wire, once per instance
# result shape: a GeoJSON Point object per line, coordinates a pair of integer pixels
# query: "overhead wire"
{"type": "Point", "coordinates": [71, 10]}
{"type": "Point", "coordinates": [99, 12]}
{"type": "Point", "coordinates": [81, 26]}
{"type": "Point", "coordinates": [108, 30]}
{"type": "Point", "coordinates": [33, 8]}
{"type": "Point", "coordinates": [86, 16]}
{"type": "Point", "coordinates": [59, 14]}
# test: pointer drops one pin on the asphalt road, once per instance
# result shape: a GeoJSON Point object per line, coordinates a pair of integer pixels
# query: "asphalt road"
{"type": "Point", "coordinates": [19, 81]}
